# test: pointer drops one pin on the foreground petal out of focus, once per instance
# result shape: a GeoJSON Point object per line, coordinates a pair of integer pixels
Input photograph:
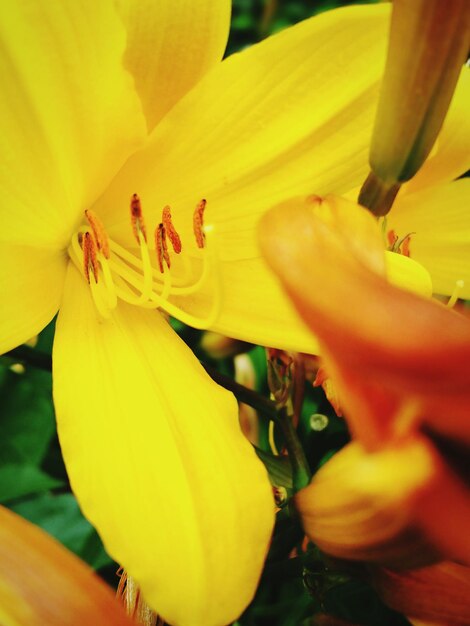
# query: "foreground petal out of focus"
{"type": "Point", "coordinates": [401, 366]}
{"type": "Point", "coordinates": [42, 583]}
{"type": "Point", "coordinates": [435, 595]}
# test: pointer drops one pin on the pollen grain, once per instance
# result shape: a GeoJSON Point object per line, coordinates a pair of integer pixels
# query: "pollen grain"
{"type": "Point", "coordinates": [198, 223]}
{"type": "Point", "coordinates": [137, 219]}
{"type": "Point", "coordinates": [99, 233]}
{"type": "Point", "coordinates": [170, 230]}
{"type": "Point", "coordinates": [89, 256]}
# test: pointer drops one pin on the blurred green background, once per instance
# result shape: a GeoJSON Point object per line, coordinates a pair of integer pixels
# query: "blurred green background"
{"type": "Point", "coordinates": [33, 480]}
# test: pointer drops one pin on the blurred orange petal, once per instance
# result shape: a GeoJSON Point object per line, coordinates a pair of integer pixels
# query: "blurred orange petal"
{"type": "Point", "coordinates": [432, 595]}
{"type": "Point", "coordinates": [389, 351]}
{"type": "Point", "coordinates": [41, 583]}
{"type": "Point", "coordinates": [361, 506]}
{"type": "Point", "coordinates": [401, 506]}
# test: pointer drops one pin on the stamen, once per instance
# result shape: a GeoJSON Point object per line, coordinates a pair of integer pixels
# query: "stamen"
{"type": "Point", "coordinates": [109, 284]}
{"type": "Point", "coordinates": [99, 299]}
{"type": "Point", "coordinates": [114, 272]}
{"type": "Point", "coordinates": [126, 276]}
{"type": "Point", "coordinates": [198, 223]}
{"type": "Point", "coordinates": [405, 249]}
{"type": "Point", "coordinates": [392, 239]}
{"type": "Point", "coordinates": [146, 267]}
{"type": "Point", "coordinates": [459, 285]}
{"type": "Point", "coordinates": [400, 246]}
{"type": "Point", "coordinates": [89, 256]}
{"type": "Point", "coordinates": [136, 262]}
{"type": "Point", "coordinates": [170, 230]}
{"type": "Point", "coordinates": [99, 232]}
{"type": "Point", "coordinates": [403, 246]}
{"type": "Point", "coordinates": [161, 247]}
{"type": "Point", "coordinates": [133, 278]}
{"type": "Point", "coordinates": [137, 219]}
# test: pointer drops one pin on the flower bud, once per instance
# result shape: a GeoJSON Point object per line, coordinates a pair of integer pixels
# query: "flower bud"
{"type": "Point", "coordinates": [428, 45]}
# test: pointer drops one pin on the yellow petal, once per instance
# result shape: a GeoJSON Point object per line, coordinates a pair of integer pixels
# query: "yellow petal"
{"type": "Point", "coordinates": [439, 219]}
{"type": "Point", "coordinates": [253, 307]}
{"type": "Point", "coordinates": [157, 460]}
{"type": "Point", "coordinates": [42, 583]}
{"type": "Point", "coordinates": [31, 281]}
{"type": "Point", "coordinates": [292, 115]}
{"type": "Point", "coordinates": [69, 114]}
{"type": "Point", "coordinates": [450, 157]}
{"type": "Point", "coordinates": [170, 46]}
{"type": "Point", "coordinates": [408, 274]}
{"type": "Point", "coordinates": [360, 506]}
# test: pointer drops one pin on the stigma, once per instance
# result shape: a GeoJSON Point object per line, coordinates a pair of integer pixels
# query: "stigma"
{"type": "Point", "coordinates": [146, 278]}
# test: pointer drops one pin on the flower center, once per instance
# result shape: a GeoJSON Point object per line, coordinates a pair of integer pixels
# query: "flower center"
{"type": "Point", "coordinates": [402, 246]}
{"type": "Point", "coordinates": [397, 244]}
{"type": "Point", "coordinates": [144, 279]}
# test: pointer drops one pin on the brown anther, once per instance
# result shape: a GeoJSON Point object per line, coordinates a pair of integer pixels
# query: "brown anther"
{"type": "Point", "coordinates": [89, 256]}
{"type": "Point", "coordinates": [137, 219]}
{"type": "Point", "coordinates": [161, 247]}
{"type": "Point", "coordinates": [392, 238]}
{"type": "Point", "coordinates": [401, 246]}
{"type": "Point", "coordinates": [170, 229]}
{"type": "Point", "coordinates": [99, 233]}
{"type": "Point", "coordinates": [405, 247]}
{"type": "Point", "coordinates": [198, 223]}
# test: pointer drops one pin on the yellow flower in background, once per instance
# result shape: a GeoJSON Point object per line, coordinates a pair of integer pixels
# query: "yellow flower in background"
{"type": "Point", "coordinates": [433, 210]}
{"type": "Point", "coordinates": [430, 216]}
{"type": "Point", "coordinates": [100, 104]}
{"type": "Point", "coordinates": [429, 222]}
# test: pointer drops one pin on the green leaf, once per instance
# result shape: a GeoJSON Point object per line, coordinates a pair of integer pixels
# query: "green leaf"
{"type": "Point", "coordinates": [17, 481]}
{"type": "Point", "coordinates": [46, 338]}
{"type": "Point", "coordinates": [279, 469]}
{"type": "Point", "coordinates": [60, 516]}
{"type": "Point", "coordinates": [27, 422]}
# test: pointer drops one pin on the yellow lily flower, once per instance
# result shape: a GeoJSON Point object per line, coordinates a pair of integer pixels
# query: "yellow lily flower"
{"type": "Point", "coordinates": [429, 221]}
{"type": "Point", "coordinates": [101, 103]}
{"type": "Point", "coordinates": [430, 214]}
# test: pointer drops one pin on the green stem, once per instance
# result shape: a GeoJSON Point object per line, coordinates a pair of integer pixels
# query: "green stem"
{"type": "Point", "coordinates": [30, 356]}
{"type": "Point", "coordinates": [301, 470]}
{"type": "Point", "coordinates": [243, 394]}
{"type": "Point", "coordinates": [300, 467]}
